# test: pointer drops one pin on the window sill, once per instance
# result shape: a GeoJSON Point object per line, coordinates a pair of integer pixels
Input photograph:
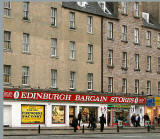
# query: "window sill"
{"type": "Point", "coordinates": [90, 90]}
{"type": "Point", "coordinates": [72, 29]}
{"type": "Point", "coordinates": [148, 71]}
{"type": "Point", "coordinates": [125, 41]}
{"type": "Point", "coordinates": [90, 62]}
{"type": "Point", "coordinates": [26, 20]}
{"type": "Point", "coordinates": [124, 68]}
{"type": "Point", "coordinates": [9, 17]}
{"type": "Point", "coordinates": [125, 14]}
{"type": "Point", "coordinates": [149, 46]}
{"type": "Point", "coordinates": [7, 50]}
{"type": "Point", "coordinates": [6, 84]}
{"type": "Point", "coordinates": [110, 66]}
{"type": "Point", "coordinates": [135, 43]}
{"type": "Point", "coordinates": [137, 70]}
{"type": "Point", "coordinates": [91, 33]}
{"type": "Point", "coordinates": [137, 17]}
{"type": "Point", "coordinates": [56, 57]}
{"type": "Point", "coordinates": [72, 89]}
{"type": "Point", "coordinates": [110, 39]}
{"type": "Point", "coordinates": [25, 86]}
{"type": "Point", "coordinates": [72, 59]}
{"type": "Point", "coordinates": [53, 88]}
{"type": "Point", "coordinates": [27, 53]}
{"type": "Point", "coordinates": [53, 26]}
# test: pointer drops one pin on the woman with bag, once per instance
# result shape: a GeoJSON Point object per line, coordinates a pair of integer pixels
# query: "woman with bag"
{"type": "Point", "coordinates": [75, 123]}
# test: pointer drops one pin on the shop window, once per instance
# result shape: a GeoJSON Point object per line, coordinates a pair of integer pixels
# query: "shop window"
{"type": "Point", "coordinates": [32, 114]}
{"type": "Point", "coordinates": [87, 112]}
{"type": "Point", "coordinates": [58, 114]}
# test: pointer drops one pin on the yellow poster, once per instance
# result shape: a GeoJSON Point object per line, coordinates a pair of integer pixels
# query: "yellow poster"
{"type": "Point", "coordinates": [32, 114]}
{"type": "Point", "coordinates": [157, 101]}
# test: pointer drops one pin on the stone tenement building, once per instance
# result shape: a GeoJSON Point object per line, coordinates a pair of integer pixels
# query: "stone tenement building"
{"type": "Point", "coordinates": [62, 58]}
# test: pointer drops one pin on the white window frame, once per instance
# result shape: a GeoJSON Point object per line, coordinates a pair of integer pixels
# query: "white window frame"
{"type": "Point", "coordinates": [124, 7]}
{"type": "Point", "coordinates": [90, 81]}
{"type": "Point", "coordinates": [90, 52]}
{"type": "Point", "coordinates": [148, 38]}
{"type": "Point", "coordinates": [136, 61]}
{"type": "Point", "coordinates": [124, 32]}
{"type": "Point", "coordinates": [72, 80]}
{"type": "Point", "coordinates": [159, 88]}
{"type": "Point", "coordinates": [124, 59]}
{"type": "Point", "coordinates": [7, 40]}
{"type": "Point", "coordinates": [7, 73]}
{"type": "Point", "coordinates": [53, 47]}
{"type": "Point", "coordinates": [53, 16]}
{"type": "Point", "coordinates": [25, 43]}
{"type": "Point", "coordinates": [53, 78]}
{"type": "Point", "coordinates": [90, 24]}
{"type": "Point", "coordinates": [136, 9]}
{"type": "Point", "coordinates": [158, 41]}
{"type": "Point", "coordinates": [136, 35]}
{"type": "Point", "coordinates": [110, 84]}
{"type": "Point", "coordinates": [72, 49]}
{"type": "Point", "coordinates": [124, 85]}
{"type": "Point", "coordinates": [110, 57]}
{"type": "Point", "coordinates": [72, 20]}
{"type": "Point", "coordinates": [110, 30]}
{"type": "Point", "coordinates": [7, 9]}
{"type": "Point", "coordinates": [148, 87]}
{"type": "Point", "coordinates": [136, 86]}
{"type": "Point", "coordinates": [25, 75]}
{"type": "Point", "coordinates": [158, 64]}
{"type": "Point", "coordinates": [148, 63]}
{"type": "Point", "coordinates": [26, 10]}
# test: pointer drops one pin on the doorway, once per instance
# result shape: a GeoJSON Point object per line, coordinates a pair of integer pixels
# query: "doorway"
{"type": "Point", "coordinates": [71, 113]}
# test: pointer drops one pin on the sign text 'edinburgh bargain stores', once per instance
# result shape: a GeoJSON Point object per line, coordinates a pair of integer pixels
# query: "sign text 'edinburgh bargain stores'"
{"type": "Point", "coordinates": [23, 95]}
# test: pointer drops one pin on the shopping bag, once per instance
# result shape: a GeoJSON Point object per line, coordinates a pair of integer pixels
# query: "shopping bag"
{"type": "Point", "coordinates": [78, 127]}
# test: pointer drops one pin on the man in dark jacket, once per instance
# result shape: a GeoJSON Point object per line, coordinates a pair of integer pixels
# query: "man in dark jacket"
{"type": "Point", "coordinates": [79, 118]}
{"type": "Point", "coordinates": [75, 123]}
{"type": "Point", "coordinates": [146, 119]}
{"type": "Point", "coordinates": [102, 122]}
{"type": "Point", "coordinates": [133, 120]}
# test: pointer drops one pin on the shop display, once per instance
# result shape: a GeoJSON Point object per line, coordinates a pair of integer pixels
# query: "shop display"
{"type": "Point", "coordinates": [58, 114]}
{"type": "Point", "coordinates": [32, 114]}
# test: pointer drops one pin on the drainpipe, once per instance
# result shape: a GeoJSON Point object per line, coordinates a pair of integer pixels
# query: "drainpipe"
{"type": "Point", "coordinates": [102, 55]}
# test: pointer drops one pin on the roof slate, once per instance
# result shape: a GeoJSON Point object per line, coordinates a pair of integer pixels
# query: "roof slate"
{"type": "Point", "coordinates": [91, 8]}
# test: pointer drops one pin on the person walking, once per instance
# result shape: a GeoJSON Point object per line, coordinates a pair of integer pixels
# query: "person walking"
{"type": "Point", "coordinates": [133, 120]}
{"type": "Point", "coordinates": [79, 118]}
{"type": "Point", "coordinates": [158, 120]}
{"type": "Point", "coordinates": [137, 120]}
{"type": "Point", "coordinates": [146, 119]}
{"type": "Point", "coordinates": [89, 120]}
{"type": "Point", "coordinates": [93, 122]}
{"type": "Point", "coordinates": [102, 122]}
{"type": "Point", "coordinates": [75, 123]}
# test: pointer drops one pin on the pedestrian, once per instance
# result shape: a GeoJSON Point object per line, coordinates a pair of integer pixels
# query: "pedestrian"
{"type": "Point", "coordinates": [102, 122]}
{"type": "Point", "coordinates": [133, 120]}
{"type": "Point", "coordinates": [108, 120]}
{"type": "Point", "coordinates": [93, 122]}
{"type": "Point", "coordinates": [158, 119]}
{"type": "Point", "coordinates": [89, 120]}
{"type": "Point", "coordinates": [75, 123]}
{"type": "Point", "coordinates": [146, 119]}
{"type": "Point", "coordinates": [79, 118]}
{"type": "Point", "coordinates": [137, 120]}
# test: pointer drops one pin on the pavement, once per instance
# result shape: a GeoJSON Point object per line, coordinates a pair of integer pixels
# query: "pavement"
{"type": "Point", "coordinates": [33, 131]}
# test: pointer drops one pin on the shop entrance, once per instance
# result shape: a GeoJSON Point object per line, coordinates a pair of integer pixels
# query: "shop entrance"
{"type": "Point", "coordinates": [87, 112]}
{"type": "Point", "coordinates": [7, 115]}
{"type": "Point", "coordinates": [71, 113]}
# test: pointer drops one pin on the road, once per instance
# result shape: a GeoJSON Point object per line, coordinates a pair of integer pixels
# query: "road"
{"type": "Point", "coordinates": [91, 136]}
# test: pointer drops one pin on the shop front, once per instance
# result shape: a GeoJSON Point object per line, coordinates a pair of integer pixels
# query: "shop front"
{"type": "Point", "coordinates": [28, 108]}
{"type": "Point", "coordinates": [150, 108]}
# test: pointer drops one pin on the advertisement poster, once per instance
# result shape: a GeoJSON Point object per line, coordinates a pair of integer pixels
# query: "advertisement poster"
{"type": "Point", "coordinates": [32, 114]}
{"type": "Point", "coordinates": [58, 114]}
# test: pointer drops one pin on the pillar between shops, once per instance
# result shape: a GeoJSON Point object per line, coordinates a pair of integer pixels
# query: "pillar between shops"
{"type": "Point", "coordinates": [67, 115]}
{"type": "Point", "coordinates": [76, 111]}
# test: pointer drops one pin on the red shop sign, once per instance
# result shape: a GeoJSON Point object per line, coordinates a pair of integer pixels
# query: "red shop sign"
{"type": "Point", "coordinates": [23, 95]}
